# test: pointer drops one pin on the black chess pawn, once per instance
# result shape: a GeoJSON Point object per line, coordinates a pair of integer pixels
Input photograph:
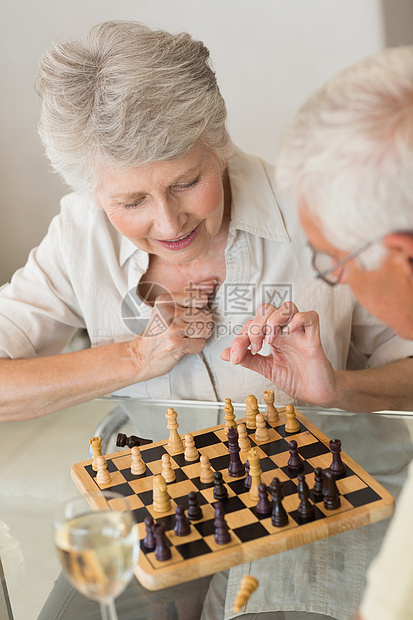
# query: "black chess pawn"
{"type": "Point", "coordinates": [194, 509]}
{"type": "Point", "coordinates": [149, 540]}
{"type": "Point", "coordinates": [279, 516]}
{"type": "Point", "coordinates": [264, 506]}
{"type": "Point", "coordinates": [295, 462]}
{"type": "Point", "coordinates": [162, 550]}
{"type": "Point", "coordinates": [220, 490]}
{"type": "Point", "coordinates": [236, 467]}
{"type": "Point", "coordinates": [306, 510]}
{"type": "Point", "coordinates": [221, 533]}
{"type": "Point", "coordinates": [182, 525]}
{"type": "Point", "coordinates": [248, 479]}
{"type": "Point", "coordinates": [318, 484]}
{"type": "Point", "coordinates": [331, 495]}
{"type": "Point", "coordinates": [337, 467]}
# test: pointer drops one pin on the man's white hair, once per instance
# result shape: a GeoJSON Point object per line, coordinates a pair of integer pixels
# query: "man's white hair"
{"type": "Point", "coordinates": [125, 97]}
{"type": "Point", "coordinates": [348, 153]}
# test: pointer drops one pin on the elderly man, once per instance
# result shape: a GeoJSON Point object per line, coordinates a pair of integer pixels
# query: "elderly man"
{"type": "Point", "coordinates": [346, 160]}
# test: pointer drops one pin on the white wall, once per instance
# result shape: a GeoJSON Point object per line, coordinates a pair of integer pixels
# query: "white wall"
{"type": "Point", "coordinates": [269, 56]}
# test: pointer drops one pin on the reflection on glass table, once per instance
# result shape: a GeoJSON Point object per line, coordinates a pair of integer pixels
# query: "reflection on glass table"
{"type": "Point", "coordinates": [30, 490]}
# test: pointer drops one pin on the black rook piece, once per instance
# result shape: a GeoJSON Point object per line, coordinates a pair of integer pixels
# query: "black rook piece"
{"type": "Point", "coordinates": [337, 467]}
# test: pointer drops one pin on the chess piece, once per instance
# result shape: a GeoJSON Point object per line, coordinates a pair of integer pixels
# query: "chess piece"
{"type": "Point", "coordinates": [248, 585]}
{"type": "Point", "coordinates": [191, 453]}
{"type": "Point", "coordinates": [243, 440]}
{"type": "Point", "coordinates": [103, 476]}
{"type": "Point", "coordinates": [162, 550]}
{"type": "Point", "coordinates": [318, 484]}
{"type": "Point", "coordinates": [207, 473]}
{"type": "Point", "coordinates": [229, 415]}
{"type": "Point", "coordinates": [251, 411]}
{"type": "Point", "coordinates": [236, 468]}
{"type": "Point", "coordinates": [220, 490]}
{"type": "Point", "coordinates": [96, 444]}
{"type": "Point", "coordinates": [279, 516]}
{"type": "Point", "coordinates": [221, 532]}
{"type": "Point", "coordinates": [331, 495]}
{"type": "Point", "coordinates": [306, 510]}
{"type": "Point", "coordinates": [149, 540]}
{"type": "Point", "coordinates": [167, 472]}
{"type": "Point", "coordinates": [194, 509]}
{"type": "Point", "coordinates": [247, 481]}
{"type": "Point", "coordinates": [264, 506]}
{"type": "Point", "coordinates": [122, 440]}
{"type": "Point", "coordinates": [255, 473]}
{"type": "Point", "coordinates": [182, 525]}
{"type": "Point", "coordinates": [292, 425]}
{"type": "Point", "coordinates": [261, 433]}
{"type": "Point", "coordinates": [337, 467]}
{"type": "Point", "coordinates": [271, 413]}
{"type": "Point", "coordinates": [138, 467]}
{"type": "Point", "coordinates": [175, 445]}
{"type": "Point", "coordinates": [295, 462]}
{"type": "Point", "coordinates": [161, 499]}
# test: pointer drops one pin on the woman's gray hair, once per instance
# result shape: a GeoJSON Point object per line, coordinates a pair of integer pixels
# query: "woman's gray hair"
{"type": "Point", "coordinates": [125, 97]}
{"type": "Point", "coordinates": [349, 153]}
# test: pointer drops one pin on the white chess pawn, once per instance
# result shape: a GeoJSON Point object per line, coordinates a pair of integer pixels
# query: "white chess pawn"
{"type": "Point", "coordinates": [191, 453]}
{"type": "Point", "coordinates": [167, 472]}
{"type": "Point", "coordinates": [103, 476]}
{"type": "Point", "coordinates": [292, 425]}
{"type": "Point", "coordinates": [243, 440]}
{"type": "Point", "coordinates": [207, 473]}
{"type": "Point", "coordinates": [261, 433]}
{"type": "Point", "coordinates": [138, 467]}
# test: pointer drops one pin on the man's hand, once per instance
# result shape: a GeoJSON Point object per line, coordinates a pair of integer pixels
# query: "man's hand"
{"type": "Point", "coordinates": [297, 363]}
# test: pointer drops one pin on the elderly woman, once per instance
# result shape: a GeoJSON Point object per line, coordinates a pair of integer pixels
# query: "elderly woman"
{"type": "Point", "coordinates": [134, 122]}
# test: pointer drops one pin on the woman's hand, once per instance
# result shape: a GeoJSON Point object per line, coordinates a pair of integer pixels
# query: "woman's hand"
{"type": "Point", "coordinates": [297, 363]}
{"type": "Point", "coordinates": [179, 325]}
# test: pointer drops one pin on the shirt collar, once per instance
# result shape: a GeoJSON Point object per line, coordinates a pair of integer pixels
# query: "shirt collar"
{"type": "Point", "coordinates": [254, 206]}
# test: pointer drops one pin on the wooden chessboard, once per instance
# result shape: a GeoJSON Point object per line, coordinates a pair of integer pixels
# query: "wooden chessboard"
{"type": "Point", "coordinates": [363, 501]}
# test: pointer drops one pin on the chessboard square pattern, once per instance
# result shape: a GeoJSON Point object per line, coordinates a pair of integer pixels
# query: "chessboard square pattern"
{"type": "Point", "coordinates": [252, 535]}
{"type": "Point", "coordinates": [250, 532]}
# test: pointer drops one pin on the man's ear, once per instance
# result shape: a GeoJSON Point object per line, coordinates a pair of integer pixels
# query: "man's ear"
{"type": "Point", "coordinates": [401, 245]}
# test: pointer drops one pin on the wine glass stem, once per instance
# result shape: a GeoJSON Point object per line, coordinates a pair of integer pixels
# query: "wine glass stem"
{"type": "Point", "coordinates": [108, 610]}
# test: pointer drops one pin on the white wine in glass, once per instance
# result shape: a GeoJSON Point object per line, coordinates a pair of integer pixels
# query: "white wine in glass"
{"type": "Point", "coordinates": [97, 542]}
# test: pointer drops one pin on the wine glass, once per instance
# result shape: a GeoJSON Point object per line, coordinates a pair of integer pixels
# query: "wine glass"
{"type": "Point", "coordinates": [97, 542]}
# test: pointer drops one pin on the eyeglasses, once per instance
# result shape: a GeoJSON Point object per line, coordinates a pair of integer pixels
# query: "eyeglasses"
{"type": "Point", "coordinates": [330, 270]}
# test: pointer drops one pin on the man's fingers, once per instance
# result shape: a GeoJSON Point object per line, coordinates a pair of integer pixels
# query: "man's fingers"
{"type": "Point", "coordinates": [268, 321]}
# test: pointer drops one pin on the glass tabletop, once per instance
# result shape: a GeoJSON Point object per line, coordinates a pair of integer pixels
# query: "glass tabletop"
{"type": "Point", "coordinates": [36, 457]}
